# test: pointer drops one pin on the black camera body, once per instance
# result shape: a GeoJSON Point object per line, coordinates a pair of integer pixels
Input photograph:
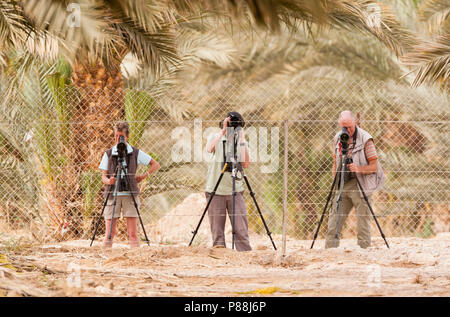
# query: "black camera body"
{"type": "Point", "coordinates": [122, 153]}
{"type": "Point", "coordinates": [236, 120]}
{"type": "Point", "coordinates": [229, 146]}
{"type": "Point", "coordinates": [343, 138]}
{"type": "Point", "coordinates": [122, 147]}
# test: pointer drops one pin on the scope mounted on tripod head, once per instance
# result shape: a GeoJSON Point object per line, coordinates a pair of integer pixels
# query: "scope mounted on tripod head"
{"type": "Point", "coordinates": [121, 147]}
{"type": "Point", "coordinates": [343, 138]}
{"type": "Point", "coordinates": [236, 120]}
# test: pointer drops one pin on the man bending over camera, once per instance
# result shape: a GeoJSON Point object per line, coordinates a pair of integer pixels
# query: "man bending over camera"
{"type": "Point", "coordinates": [363, 165]}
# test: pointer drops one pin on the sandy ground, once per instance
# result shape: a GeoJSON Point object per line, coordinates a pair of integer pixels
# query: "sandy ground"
{"type": "Point", "coordinates": [169, 267]}
{"type": "Point", "coordinates": [411, 267]}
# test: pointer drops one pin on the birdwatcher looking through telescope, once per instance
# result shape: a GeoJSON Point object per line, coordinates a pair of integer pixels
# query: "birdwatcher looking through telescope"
{"type": "Point", "coordinates": [362, 166]}
{"type": "Point", "coordinates": [123, 195]}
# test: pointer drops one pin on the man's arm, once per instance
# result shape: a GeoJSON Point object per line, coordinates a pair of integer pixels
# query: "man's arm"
{"type": "Point", "coordinates": [107, 180]}
{"type": "Point", "coordinates": [211, 146]}
{"type": "Point", "coordinates": [365, 169]}
{"type": "Point", "coordinates": [152, 167]}
{"type": "Point", "coordinates": [334, 157]}
{"type": "Point", "coordinates": [104, 168]}
{"type": "Point", "coordinates": [371, 156]}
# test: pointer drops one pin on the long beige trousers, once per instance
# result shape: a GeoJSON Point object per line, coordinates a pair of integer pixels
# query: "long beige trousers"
{"type": "Point", "coordinates": [351, 197]}
{"type": "Point", "coordinates": [217, 211]}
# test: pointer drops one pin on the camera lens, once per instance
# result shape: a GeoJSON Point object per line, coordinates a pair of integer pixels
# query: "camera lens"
{"type": "Point", "coordinates": [344, 135]}
{"type": "Point", "coordinates": [121, 146]}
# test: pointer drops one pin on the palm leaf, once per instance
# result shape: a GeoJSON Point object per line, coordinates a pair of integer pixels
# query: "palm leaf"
{"type": "Point", "coordinates": [153, 49]}
{"type": "Point", "coordinates": [148, 15]}
{"type": "Point", "coordinates": [13, 25]}
{"type": "Point", "coordinates": [354, 15]}
{"type": "Point", "coordinates": [431, 60]}
{"type": "Point", "coordinates": [81, 28]}
{"type": "Point", "coordinates": [435, 13]}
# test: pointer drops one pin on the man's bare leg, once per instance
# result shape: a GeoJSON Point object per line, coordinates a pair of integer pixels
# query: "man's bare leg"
{"type": "Point", "coordinates": [107, 242]}
{"type": "Point", "coordinates": [132, 232]}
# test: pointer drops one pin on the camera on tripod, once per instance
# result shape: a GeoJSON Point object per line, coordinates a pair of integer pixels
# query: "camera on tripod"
{"type": "Point", "coordinates": [236, 120]}
{"type": "Point", "coordinates": [121, 153]}
{"type": "Point", "coordinates": [229, 150]}
{"type": "Point", "coordinates": [121, 147]}
{"type": "Point", "coordinates": [343, 138]}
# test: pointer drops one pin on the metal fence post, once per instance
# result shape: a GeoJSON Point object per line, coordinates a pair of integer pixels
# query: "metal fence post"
{"type": "Point", "coordinates": [285, 183]}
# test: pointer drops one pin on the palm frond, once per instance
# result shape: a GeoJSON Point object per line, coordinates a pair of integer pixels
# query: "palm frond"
{"type": "Point", "coordinates": [13, 25]}
{"type": "Point", "coordinates": [259, 56]}
{"type": "Point", "coordinates": [79, 24]}
{"type": "Point", "coordinates": [148, 15]}
{"type": "Point", "coordinates": [198, 43]}
{"type": "Point", "coordinates": [431, 60]}
{"type": "Point", "coordinates": [376, 19]}
{"type": "Point", "coordinates": [436, 13]}
{"type": "Point", "coordinates": [153, 49]}
{"type": "Point", "coordinates": [367, 16]}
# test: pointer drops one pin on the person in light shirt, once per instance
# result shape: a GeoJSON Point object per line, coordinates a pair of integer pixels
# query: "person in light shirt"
{"type": "Point", "coordinates": [124, 202]}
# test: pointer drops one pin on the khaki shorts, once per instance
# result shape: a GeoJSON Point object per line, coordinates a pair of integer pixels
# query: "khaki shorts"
{"type": "Point", "coordinates": [124, 204]}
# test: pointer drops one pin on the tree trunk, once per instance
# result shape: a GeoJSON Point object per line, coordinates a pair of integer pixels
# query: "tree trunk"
{"type": "Point", "coordinates": [101, 104]}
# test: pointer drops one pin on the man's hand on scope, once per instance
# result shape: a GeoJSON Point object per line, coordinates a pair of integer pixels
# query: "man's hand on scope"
{"type": "Point", "coordinates": [111, 180]}
{"type": "Point", "coordinates": [353, 168]}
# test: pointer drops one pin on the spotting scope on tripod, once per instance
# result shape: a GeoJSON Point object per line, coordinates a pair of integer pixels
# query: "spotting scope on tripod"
{"type": "Point", "coordinates": [122, 184]}
{"type": "Point", "coordinates": [341, 176]}
{"type": "Point", "coordinates": [232, 165]}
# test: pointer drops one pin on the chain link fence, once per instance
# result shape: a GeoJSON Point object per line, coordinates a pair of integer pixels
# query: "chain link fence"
{"type": "Point", "coordinates": [52, 139]}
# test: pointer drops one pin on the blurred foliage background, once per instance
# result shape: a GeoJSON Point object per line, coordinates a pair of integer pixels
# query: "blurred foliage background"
{"type": "Point", "coordinates": [161, 64]}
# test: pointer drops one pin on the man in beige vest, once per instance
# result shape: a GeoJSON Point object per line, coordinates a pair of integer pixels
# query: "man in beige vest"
{"type": "Point", "coordinates": [367, 169]}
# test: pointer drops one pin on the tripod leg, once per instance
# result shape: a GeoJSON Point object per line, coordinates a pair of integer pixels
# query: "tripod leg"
{"type": "Point", "coordinates": [339, 202]}
{"type": "Point", "coordinates": [112, 217]}
{"type": "Point", "coordinates": [259, 210]}
{"type": "Point", "coordinates": [137, 209]}
{"type": "Point", "coordinates": [100, 218]}
{"type": "Point", "coordinates": [330, 194]}
{"type": "Point", "coordinates": [233, 209]}
{"type": "Point", "coordinates": [209, 202]}
{"type": "Point", "coordinates": [115, 200]}
{"type": "Point", "coordinates": [371, 211]}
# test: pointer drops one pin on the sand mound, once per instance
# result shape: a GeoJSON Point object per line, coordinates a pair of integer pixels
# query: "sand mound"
{"type": "Point", "coordinates": [177, 225]}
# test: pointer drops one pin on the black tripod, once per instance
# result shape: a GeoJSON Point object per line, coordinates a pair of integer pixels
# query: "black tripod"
{"type": "Point", "coordinates": [120, 171]}
{"type": "Point", "coordinates": [235, 168]}
{"type": "Point", "coordinates": [341, 172]}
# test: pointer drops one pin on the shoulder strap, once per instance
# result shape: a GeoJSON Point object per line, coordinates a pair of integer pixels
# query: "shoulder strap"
{"type": "Point", "coordinates": [136, 154]}
{"type": "Point", "coordinates": [355, 136]}
{"type": "Point", "coordinates": [223, 152]}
